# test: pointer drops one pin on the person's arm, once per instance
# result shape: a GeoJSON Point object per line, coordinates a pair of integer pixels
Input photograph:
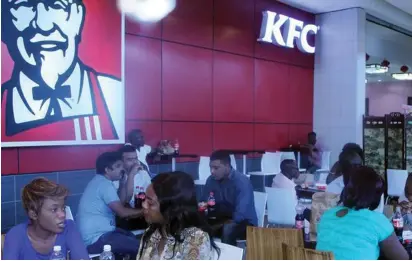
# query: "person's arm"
{"type": "Point", "coordinates": [244, 199]}
{"type": "Point", "coordinates": [197, 247]}
{"type": "Point", "coordinates": [75, 242]}
{"type": "Point", "coordinates": [109, 195]}
{"type": "Point", "coordinates": [392, 248]}
{"type": "Point", "coordinates": [11, 248]}
{"type": "Point", "coordinates": [124, 212]}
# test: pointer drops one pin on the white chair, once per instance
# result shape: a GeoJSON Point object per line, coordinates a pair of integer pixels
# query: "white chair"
{"type": "Point", "coordinates": [381, 206]}
{"type": "Point", "coordinates": [260, 206]}
{"type": "Point", "coordinates": [396, 181]}
{"type": "Point", "coordinates": [298, 162]}
{"type": "Point", "coordinates": [233, 161]}
{"type": "Point", "coordinates": [204, 170]}
{"type": "Point", "coordinates": [228, 252]}
{"type": "Point", "coordinates": [69, 214]}
{"type": "Point", "coordinates": [288, 155]}
{"type": "Point", "coordinates": [325, 161]}
{"type": "Point", "coordinates": [281, 206]}
{"type": "Point", "coordinates": [269, 165]}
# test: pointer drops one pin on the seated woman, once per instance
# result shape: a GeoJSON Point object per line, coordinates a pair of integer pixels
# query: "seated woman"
{"type": "Point", "coordinates": [353, 230]}
{"type": "Point", "coordinates": [44, 202]}
{"type": "Point", "coordinates": [176, 230]}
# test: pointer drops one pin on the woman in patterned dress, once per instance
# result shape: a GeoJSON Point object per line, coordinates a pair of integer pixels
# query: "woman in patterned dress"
{"type": "Point", "coordinates": [177, 231]}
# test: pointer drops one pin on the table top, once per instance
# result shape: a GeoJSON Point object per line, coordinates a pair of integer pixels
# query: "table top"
{"type": "Point", "coordinates": [169, 157]}
{"type": "Point", "coordinates": [244, 152]}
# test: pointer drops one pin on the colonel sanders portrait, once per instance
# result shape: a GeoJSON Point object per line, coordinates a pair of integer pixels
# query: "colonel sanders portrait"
{"type": "Point", "coordinates": [52, 95]}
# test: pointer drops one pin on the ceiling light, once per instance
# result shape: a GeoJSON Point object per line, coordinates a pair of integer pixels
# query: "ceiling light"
{"type": "Point", "coordinates": [376, 69]}
{"type": "Point", "coordinates": [150, 11]}
{"type": "Point", "coordinates": [366, 81]}
{"type": "Point", "coordinates": [402, 76]}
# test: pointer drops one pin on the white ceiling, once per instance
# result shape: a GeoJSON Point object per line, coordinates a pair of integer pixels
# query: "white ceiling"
{"type": "Point", "coordinates": [405, 5]}
{"type": "Point", "coordinates": [397, 12]}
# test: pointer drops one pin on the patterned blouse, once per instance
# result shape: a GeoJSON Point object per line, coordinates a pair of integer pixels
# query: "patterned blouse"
{"type": "Point", "coordinates": [195, 246]}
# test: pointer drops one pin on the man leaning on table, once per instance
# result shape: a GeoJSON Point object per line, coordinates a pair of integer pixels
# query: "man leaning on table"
{"type": "Point", "coordinates": [100, 204]}
{"type": "Point", "coordinates": [234, 197]}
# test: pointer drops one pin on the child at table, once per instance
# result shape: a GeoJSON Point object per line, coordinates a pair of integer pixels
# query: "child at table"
{"type": "Point", "coordinates": [44, 202]}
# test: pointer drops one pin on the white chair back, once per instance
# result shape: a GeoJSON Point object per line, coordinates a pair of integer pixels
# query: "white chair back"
{"type": "Point", "coordinates": [233, 161]}
{"type": "Point", "coordinates": [325, 160]}
{"type": "Point", "coordinates": [281, 206]}
{"type": "Point", "coordinates": [270, 163]}
{"type": "Point", "coordinates": [228, 252]}
{"type": "Point", "coordinates": [204, 169]}
{"type": "Point", "coordinates": [260, 206]}
{"type": "Point", "coordinates": [381, 205]}
{"type": "Point", "coordinates": [396, 181]}
{"type": "Point", "coordinates": [69, 214]}
{"type": "Point", "coordinates": [288, 155]}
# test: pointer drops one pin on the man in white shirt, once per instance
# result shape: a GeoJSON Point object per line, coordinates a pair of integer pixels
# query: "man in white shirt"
{"type": "Point", "coordinates": [136, 178]}
{"type": "Point", "coordinates": [289, 171]}
{"type": "Point", "coordinates": [136, 139]}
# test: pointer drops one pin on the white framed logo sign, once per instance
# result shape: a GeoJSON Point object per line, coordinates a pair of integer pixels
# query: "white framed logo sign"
{"type": "Point", "coordinates": [62, 73]}
{"type": "Point", "coordinates": [282, 30]}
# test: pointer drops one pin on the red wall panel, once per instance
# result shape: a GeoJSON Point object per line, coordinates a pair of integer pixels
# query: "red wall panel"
{"type": "Point", "coordinates": [232, 88]}
{"type": "Point", "coordinates": [201, 76]}
{"type": "Point", "coordinates": [143, 78]}
{"type": "Point", "coordinates": [190, 23]}
{"type": "Point", "coordinates": [187, 83]}
{"type": "Point", "coordinates": [234, 27]}
{"type": "Point", "coordinates": [45, 159]}
{"type": "Point", "coordinates": [271, 92]}
{"type": "Point", "coordinates": [271, 136]}
{"type": "Point", "coordinates": [9, 161]}
{"type": "Point", "coordinates": [144, 29]}
{"type": "Point", "coordinates": [237, 136]}
{"type": "Point", "coordinates": [194, 137]}
{"type": "Point", "coordinates": [301, 95]}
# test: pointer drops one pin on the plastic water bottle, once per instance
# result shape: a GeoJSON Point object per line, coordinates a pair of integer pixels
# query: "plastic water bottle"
{"type": "Point", "coordinates": [57, 253]}
{"type": "Point", "coordinates": [107, 253]}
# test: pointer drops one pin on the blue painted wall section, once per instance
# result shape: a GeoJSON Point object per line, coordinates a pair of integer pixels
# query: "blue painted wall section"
{"type": "Point", "coordinates": [12, 211]}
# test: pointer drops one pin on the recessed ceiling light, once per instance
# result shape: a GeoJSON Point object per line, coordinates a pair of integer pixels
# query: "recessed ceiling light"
{"type": "Point", "coordinates": [376, 69]}
{"type": "Point", "coordinates": [379, 80]}
{"type": "Point", "coordinates": [402, 76]}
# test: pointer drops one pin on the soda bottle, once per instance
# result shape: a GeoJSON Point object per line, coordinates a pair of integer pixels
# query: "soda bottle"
{"type": "Point", "coordinates": [176, 147]}
{"type": "Point", "coordinates": [140, 196]}
{"type": "Point", "coordinates": [211, 205]}
{"type": "Point", "coordinates": [299, 218]}
{"type": "Point", "coordinates": [57, 253]}
{"type": "Point", "coordinates": [397, 221]}
{"type": "Point", "coordinates": [107, 253]}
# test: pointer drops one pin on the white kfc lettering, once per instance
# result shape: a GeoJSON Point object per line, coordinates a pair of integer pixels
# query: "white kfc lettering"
{"type": "Point", "coordinates": [284, 30]}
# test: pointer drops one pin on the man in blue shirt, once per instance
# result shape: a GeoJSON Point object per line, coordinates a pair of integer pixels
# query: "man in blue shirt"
{"type": "Point", "coordinates": [233, 193]}
{"type": "Point", "coordinates": [100, 204]}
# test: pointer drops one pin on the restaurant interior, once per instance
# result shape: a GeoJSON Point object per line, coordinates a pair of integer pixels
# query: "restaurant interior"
{"type": "Point", "coordinates": [280, 112]}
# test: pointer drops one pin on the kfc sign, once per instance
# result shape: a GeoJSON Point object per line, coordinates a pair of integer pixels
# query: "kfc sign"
{"type": "Point", "coordinates": [282, 30]}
